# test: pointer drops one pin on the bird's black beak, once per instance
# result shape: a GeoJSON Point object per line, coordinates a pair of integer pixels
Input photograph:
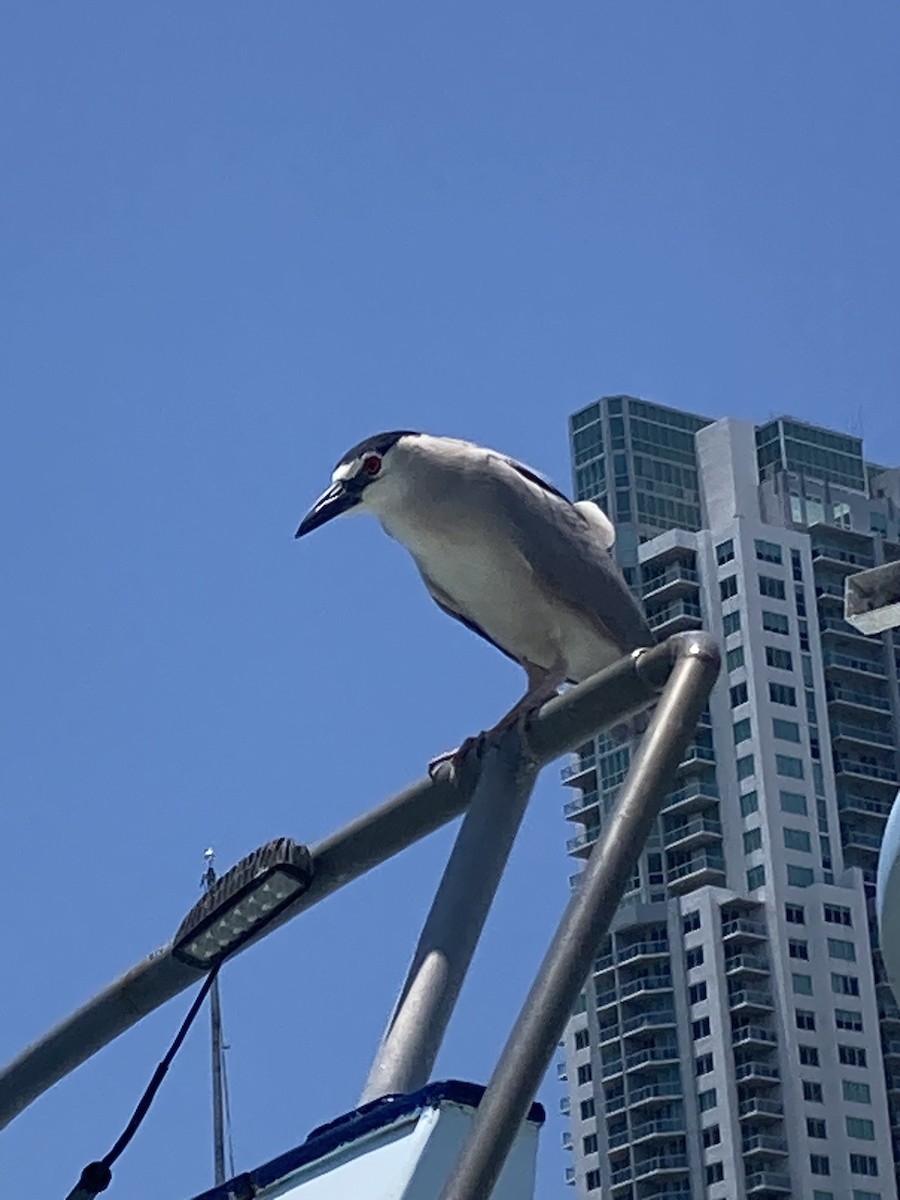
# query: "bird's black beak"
{"type": "Point", "coordinates": [338, 499]}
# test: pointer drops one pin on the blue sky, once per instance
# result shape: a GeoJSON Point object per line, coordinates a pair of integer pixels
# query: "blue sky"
{"type": "Point", "coordinates": [235, 240]}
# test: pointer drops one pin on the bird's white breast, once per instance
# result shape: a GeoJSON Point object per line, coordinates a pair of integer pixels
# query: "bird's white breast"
{"type": "Point", "coordinates": [489, 581]}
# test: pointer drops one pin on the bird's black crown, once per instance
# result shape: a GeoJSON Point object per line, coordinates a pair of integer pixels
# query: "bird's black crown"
{"type": "Point", "coordinates": [378, 443]}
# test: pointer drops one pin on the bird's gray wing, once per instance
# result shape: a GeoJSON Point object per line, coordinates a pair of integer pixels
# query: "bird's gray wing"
{"type": "Point", "coordinates": [443, 601]}
{"type": "Point", "coordinates": [560, 545]}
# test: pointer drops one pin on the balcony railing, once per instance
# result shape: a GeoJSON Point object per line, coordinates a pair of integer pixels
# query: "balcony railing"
{"type": "Point", "coordinates": [672, 576]}
{"type": "Point", "coordinates": [701, 828]}
{"type": "Point", "coordinates": [764, 1143]}
{"type": "Point", "coordinates": [653, 949]}
{"type": "Point", "coordinates": [768, 1181]}
{"type": "Point", "coordinates": [662, 1162]}
{"type": "Point", "coordinates": [653, 1054]}
{"type": "Point", "coordinates": [746, 962]}
{"type": "Point", "coordinates": [756, 1070]}
{"type": "Point", "coordinates": [752, 1033]}
{"type": "Point", "coordinates": [844, 765]}
{"type": "Point", "coordinates": [655, 1091]}
{"type": "Point", "coordinates": [862, 733]}
{"type": "Point", "coordinates": [581, 766]}
{"type": "Point", "coordinates": [744, 925]}
{"type": "Point", "coordinates": [750, 998]}
{"type": "Point", "coordinates": [852, 662]}
{"type": "Point", "coordinates": [760, 1107]}
{"type": "Point", "coordinates": [700, 863]}
{"type": "Point", "coordinates": [838, 694]}
{"type": "Point", "coordinates": [849, 802]}
{"type": "Point", "coordinates": [660, 1128]}
{"type": "Point", "coordinates": [648, 1020]}
{"type": "Point", "coordinates": [648, 983]}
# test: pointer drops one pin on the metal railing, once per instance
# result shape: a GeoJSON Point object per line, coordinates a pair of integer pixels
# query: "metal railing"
{"type": "Point", "coordinates": [678, 676]}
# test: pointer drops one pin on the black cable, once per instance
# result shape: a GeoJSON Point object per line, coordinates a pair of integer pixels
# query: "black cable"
{"type": "Point", "coordinates": [96, 1176]}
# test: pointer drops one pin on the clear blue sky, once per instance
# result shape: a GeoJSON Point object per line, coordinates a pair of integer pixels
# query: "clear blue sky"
{"type": "Point", "coordinates": [236, 238]}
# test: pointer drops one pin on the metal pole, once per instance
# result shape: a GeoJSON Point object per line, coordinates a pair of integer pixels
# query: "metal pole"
{"type": "Point", "coordinates": [215, 1030]}
{"type": "Point", "coordinates": [461, 904]}
{"type": "Point", "coordinates": [540, 1024]}
{"type": "Point", "coordinates": [215, 1012]}
{"type": "Point", "coordinates": [623, 688]}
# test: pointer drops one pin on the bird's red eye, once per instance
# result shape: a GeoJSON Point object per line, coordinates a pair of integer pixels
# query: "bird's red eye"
{"type": "Point", "coordinates": [371, 465]}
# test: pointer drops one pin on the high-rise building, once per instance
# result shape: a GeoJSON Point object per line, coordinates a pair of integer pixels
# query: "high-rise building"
{"type": "Point", "coordinates": [736, 1039]}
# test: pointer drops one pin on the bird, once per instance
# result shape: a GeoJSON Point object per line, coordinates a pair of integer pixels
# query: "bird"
{"type": "Point", "coordinates": [500, 549]}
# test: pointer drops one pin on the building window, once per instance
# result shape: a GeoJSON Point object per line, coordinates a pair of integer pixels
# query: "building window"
{"type": "Point", "coordinates": [852, 1056]}
{"type": "Point", "coordinates": [728, 587]}
{"type": "Point", "coordinates": [752, 840]}
{"type": "Point", "coordinates": [844, 985]}
{"type": "Point", "coordinates": [788, 731]}
{"type": "Point", "coordinates": [773, 622]}
{"type": "Point", "coordinates": [725, 552]}
{"type": "Point", "coordinates": [849, 1019]}
{"type": "Point", "coordinates": [820, 1195]}
{"type": "Point", "coordinates": [742, 731]}
{"type": "Point", "coordinates": [771, 587]}
{"type": "Point", "coordinates": [592, 1180]}
{"type": "Point", "coordinates": [860, 1194]}
{"type": "Point", "coordinates": [590, 1143]}
{"type": "Point", "coordinates": [799, 876]}
{"type": "Point", "coordinates": [738, 694]}
{"type": "Point", "coordinates": [816, 1128]}
{"type": "Point", "coordinates": [707, 1100]}
{"type": "Point", "coordinates": [789, 766]}
{"type": "Point", "coordinates": [778, 658]}
{"type": "Point", "coordinates": [812, 1091]}
{"type": "Point", "coordinates": [734, 658]}
{"type": "Point", "coordinates": [794, 914]}
{"type": "Point", "coordinates": [693, 957]}
{"type": "Point", "coordinates": [697, 992]}
{"type": "Point", "coordinates": [819, 1164]}
{"type": "Point", "coordinates": [783, 693]}
{"type": "Point", "coordinates": [798, 948]}
{"type": "Point", "coordinates": [805, 1018]}
{"type": "Point", "coordinates": [837, 914]}
{"type": "Point", "coordinates": [796, 565]}
{"type": "Point", "coordinates": [862, 1128]}
{"type": "Point", "coordinates": [756, 878]}
{"type": "Point", "coordinates": [703, 1064]}
{"type": "Point", "coordinates": [749, 804]}
{"type": "Point", "coordinates": [585, 1074]}
{"type": "Point", "coordinates": [768, 551]}
{"type": "Point", "coordinates": [582, 1039]}
{"type": "Point", "coordinates": [856, 1093]}
{"type": "Point", "coordinates": [745, 766]}
{"type": "Point", "coordinates": [809, 1056]}
{"type": "Point", "coordinates": [802, 985]}
{"type": "Point", "coordinates": [712, 1135]}
{"type": "Point", "coordinates": [731, 622]}
{"type": "Point", "coordinates": [793, 802]}
{"type": "Point", "coordinates": [588, 1109]}
{"type": "Point", "coordinates": [796, 839]}
{"type": "Point", "coordinates": [715, 1173]}
{"type": "Point", "coordinates": [839, 948]}
{"type": "Point", "coordinates": [700, 1028]}
{"type": "Point", "coordinates": [690, 921]}
{"type": "Point", "coordinates": [863, 1164]}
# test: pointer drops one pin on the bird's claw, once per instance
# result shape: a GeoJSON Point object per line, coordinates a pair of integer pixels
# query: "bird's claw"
{"type": "Point", "coordinates": [449, 765]}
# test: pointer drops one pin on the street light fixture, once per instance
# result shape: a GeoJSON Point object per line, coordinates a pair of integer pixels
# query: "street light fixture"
{"type": "Point", "coordinates": [242, 902]}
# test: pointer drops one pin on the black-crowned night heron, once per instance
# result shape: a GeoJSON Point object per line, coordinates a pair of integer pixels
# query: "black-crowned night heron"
{"type": "Point", "coordinates": [500, 549]}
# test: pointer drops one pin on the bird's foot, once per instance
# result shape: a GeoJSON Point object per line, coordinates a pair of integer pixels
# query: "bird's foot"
{"type": "Point", "coordinates": [449, 765]}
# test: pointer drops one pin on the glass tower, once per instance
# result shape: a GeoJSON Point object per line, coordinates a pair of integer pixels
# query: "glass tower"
{"type": "Point", "coordinates": [736, 1038]}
